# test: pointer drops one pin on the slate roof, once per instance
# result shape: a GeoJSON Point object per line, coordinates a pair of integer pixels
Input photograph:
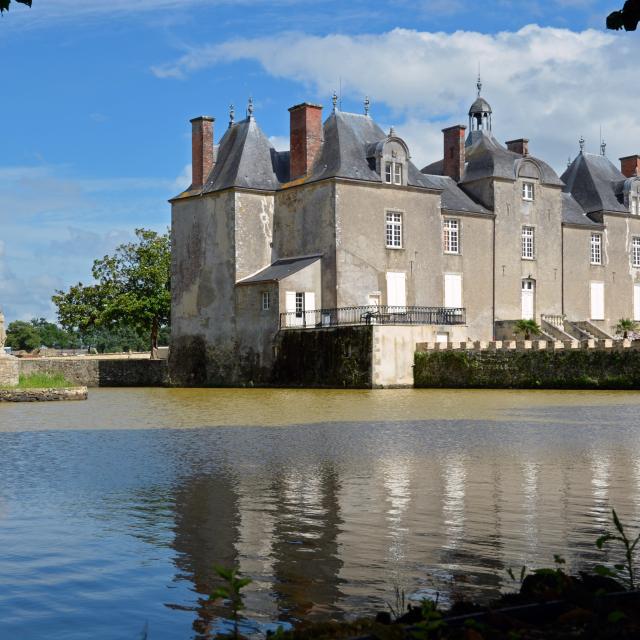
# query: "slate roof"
{"type": "Point", "coordinates": [573, 213]}
{"type": "Point", "coordinates": [487, 158]}
{"type": "Point", "coordinates": [480, 105]}
{"type": "Point", "coordinates": [454, 198]}
{"type": "Point", "coordinates": [595, 182]}
{"type": "Point", "coordinates": [245, 158]}
{"type": "Point", "coordinates": [281, 269]}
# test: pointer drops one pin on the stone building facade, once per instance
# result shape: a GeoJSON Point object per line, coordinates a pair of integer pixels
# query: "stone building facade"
{"type": "Point", "coordinates": [344, 229]}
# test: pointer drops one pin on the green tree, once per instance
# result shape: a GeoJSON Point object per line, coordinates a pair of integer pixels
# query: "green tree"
{"type": "Point", "coordinates": [626, 325]}
{"type": "Point", "coordinates": [132, 288]}
{"type": "Point", "coordinates": [51, 335]}
{"type": "Point", "coordinates": [23, 336]}
{"type": "Point", "coordinates": [4, 4]}
{"type": "Point", "coordinates": [527, 328]}
{"type": "Point", "coordinates": [626, 18]}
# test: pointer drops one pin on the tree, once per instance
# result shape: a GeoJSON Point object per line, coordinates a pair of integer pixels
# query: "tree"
{"type": "Point", "coordinates": [4, 4]}
{"type": "Point", "coordinates": [132, 288]}
{"type": "Point", "coordinates": [626, 18]}
{"type": "Point", "coordinates": [626, 325]}
{"type": "Point", "coordinates": [527, 328]}
{"type": "Point", "coordinates": [23, 336]}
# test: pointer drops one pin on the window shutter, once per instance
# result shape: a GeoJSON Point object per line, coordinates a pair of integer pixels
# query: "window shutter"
{"type": "Point", "coordinates": [636, 301]}
{"type": "Point", "coordinates": [396, 289]}
{"type": "Point", "coordinates": [452, 290]}
{"type": "Point", "coordinates": [597, 300]}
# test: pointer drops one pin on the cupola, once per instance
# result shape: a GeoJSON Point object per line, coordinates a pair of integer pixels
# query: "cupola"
{"type": "Point", "coordinates": [480, 112]}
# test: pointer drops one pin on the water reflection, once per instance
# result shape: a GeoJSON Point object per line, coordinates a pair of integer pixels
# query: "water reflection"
{"type": "Point", "coordinates": [326, 518]}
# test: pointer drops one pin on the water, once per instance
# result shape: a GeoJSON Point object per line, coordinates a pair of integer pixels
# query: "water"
{"type": "Point", "coordinates": [114, 511]}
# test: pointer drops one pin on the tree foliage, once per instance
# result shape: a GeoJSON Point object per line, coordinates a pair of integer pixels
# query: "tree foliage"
{"type": "Point", "coordinates": [627, 18]}
{"type": "Point", "coordinates": [626, 326]}
{"type": "Point", "coordinates": [5, 4]}
{"type": "Point", "coordinates": [37, 333]}
{"type": "Point", "coordinates": [527, 328]}
{"type": "Point", "coordinates": [131, 289]}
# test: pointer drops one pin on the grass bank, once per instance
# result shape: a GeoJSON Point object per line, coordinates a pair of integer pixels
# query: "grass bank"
{"type": "Point", "coordinates": [42, 381]}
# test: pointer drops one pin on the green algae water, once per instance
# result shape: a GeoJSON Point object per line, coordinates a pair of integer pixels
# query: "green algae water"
{"type": "Point", "coordinates": [114, 511]}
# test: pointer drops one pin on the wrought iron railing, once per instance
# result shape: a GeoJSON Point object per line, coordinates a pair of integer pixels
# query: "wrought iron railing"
{"type": "Point", "coordinates": [375, 314]}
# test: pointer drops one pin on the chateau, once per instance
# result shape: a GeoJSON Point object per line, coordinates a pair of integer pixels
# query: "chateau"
{"type": "Point", "coordinates": [344, 230]}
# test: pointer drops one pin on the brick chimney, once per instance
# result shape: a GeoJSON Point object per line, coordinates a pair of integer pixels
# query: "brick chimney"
{"type": "Point", "coordinates": [305, 137]}
{"type": "Point", "coordinates": [521, 146]}
{"type": "Point", "coordinates": [453, 165]}
{"type": "Point", "coordinates": [201, 150]}
{"type": "Point", "coordinates": [630, 166]}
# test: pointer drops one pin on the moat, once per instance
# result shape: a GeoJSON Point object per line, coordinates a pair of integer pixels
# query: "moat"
{"type": "Point", "coordinates": [114, 511]}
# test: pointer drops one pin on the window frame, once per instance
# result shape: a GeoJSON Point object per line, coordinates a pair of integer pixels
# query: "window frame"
{"type": "Point", "coordinates": [299, 304]}
{"type": "Point", "coordinates": [528, 241]}
{"type": "Point", "coordinates": [451, 237]}
{"type": "Point", "coordinates": [635, 252]}
{"type": "Point", "coordinates": [394, 172]}
{"type": "Point", "coordinates": [595, 247]}
{"type": "Point", "coordinates": [266, 301]}
{"type": "Point", "coordinates": [527, 185]}
{"type": "Point", "coordinates": [393, 223]}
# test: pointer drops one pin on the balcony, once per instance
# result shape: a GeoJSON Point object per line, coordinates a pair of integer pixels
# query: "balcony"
{"type": "Point", "coordinates": [372, 315]}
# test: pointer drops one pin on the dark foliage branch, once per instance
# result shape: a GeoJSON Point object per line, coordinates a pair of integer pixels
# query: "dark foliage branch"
{"type": "Point", "coordinates": [627, 18]}
{"type": "Point", "coordinates": [4, 4]}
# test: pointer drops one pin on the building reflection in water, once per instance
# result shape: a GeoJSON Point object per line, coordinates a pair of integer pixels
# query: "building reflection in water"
{"type": "Point", "coordinates": [324, 538]}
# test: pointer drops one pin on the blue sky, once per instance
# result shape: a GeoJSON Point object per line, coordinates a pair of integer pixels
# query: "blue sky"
{"type": "Point", "coordinates": [97, 97]}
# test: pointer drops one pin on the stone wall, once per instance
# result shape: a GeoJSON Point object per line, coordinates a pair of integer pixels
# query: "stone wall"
{"type": "Point", "coordinates": [332, 357]}
{"type": "Point", "coordinates": [528, 366]}
{"type": "Point", "coordinates": [96, 372]}
{"type": "Point", "coordinates": [43, 395]}
{"type": "Point", "coordinates": [9, 371]}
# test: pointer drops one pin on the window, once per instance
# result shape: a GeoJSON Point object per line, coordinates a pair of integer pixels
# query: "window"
{"type": "Point", "coordinates": [299, 305]}
{"type": "Point", "coordinates": [453, 290]}
{"type": "Point", "coordinates": [451, 236]}
{"type": "Point", "coordinates": [394, 230]}
{"type": "Point", "coordinates": [528, 243]}
{"type": "Point", "coordinates": [596, 248]}
{"type": "Point", "coordinates": [597, 300]}
{"type": "Point", "coordinates": [634, 205]}
{"type": "Point", "coordinates": [393, 172]}
{"type": "Point", "coordinates": [635, 251]}
{"type": "Point", "coordinates": [527, 191]}
{"type": "Point", "coordinates": [266, 301]}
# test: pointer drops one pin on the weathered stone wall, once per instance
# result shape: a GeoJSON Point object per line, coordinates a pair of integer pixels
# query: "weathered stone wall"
{"type": "Point", "coordinates": [331, 357]}
{"type": "Point", "coordinates": [94, 372]}
{"type": "Point", "coordinates": [43, 395]}
{"type": "Point", "coordinates": [9, 371]}
{"type": "Point", "coordinates": [581, 368]}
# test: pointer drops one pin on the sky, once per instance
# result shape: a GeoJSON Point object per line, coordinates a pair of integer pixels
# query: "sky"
{"type": "Point", "coordinates": [96, 97]}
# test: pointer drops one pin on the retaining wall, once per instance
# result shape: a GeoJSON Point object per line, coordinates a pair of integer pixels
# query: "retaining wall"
{"type": "Point", "coordinates": [595, 364]}
{"type": "Point", "coordinates": [96, 372]}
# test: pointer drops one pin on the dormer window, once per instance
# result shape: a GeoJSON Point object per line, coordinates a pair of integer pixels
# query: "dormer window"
{"type": "Point", "coordinates": [634, 202]}
{"type": "Point", "coordinates": [527, 191]}
{"type": "Point", "coordinates": [631, 195]}
{"type": "Point", "coordinates": [393, 172]}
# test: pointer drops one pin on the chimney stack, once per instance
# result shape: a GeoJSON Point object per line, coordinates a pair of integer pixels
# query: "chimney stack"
{"type": "Point", "coordinates": [453, 165]}
{"type": "Point", "coordinates": [201, 150]}
{"type": "Point", "coordinates": [630, 166]}
{"type": "Point", "coordinates": [521, 146]}
{"type": "Point", "coordinates": [305, 138]}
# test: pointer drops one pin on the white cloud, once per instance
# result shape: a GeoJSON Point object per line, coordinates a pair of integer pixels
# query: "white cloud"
{"type": "Point", "coordinates": [548, 84]}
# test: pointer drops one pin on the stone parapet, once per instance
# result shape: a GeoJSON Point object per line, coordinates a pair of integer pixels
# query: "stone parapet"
{"type": "Point", "coordinates": [9, 371]}
{"type": "Point", "coordinates": [526, 345]}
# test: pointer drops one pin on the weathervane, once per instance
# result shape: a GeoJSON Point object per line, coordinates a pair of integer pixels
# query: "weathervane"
{"type": "Point", "coordinates": [569, 161]}
{"type": "Point", "coordinates": [603, 148]}
{"type": "Point", "coordinates": [334, 101]}
{"type": "Point", "coordinates": [232, 115]}
{"type": "Point", "coordinates": [581, 143]}
{"type": "Point", "coordinates": [392, 132]}
{"type": "Point", "coordinates": [367, 103]}
{"type": "Point", "coordinates": [479, 83]}
{"type": "Point", "coordinates": [250, 108]}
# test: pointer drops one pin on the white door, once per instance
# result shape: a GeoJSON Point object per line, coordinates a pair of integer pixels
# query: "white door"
{"type": "Point", "coordinates": [528, 298]}
{"type": "Point", "coordinates": [597, 300]}
{"type": "Point", "coordinates": [636, 301]}
{"type": "Point", "coordinates": [309, 309]}
{"type": "Point", "coordinates": [396, 290]}
{"type": "Point", "coordinates": [452, 290]}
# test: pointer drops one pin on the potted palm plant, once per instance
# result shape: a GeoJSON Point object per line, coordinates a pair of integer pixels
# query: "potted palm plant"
{"type": "Point", "coordinates": [527, 328]}
{"type": "Point", "coordinates": [625, 326]}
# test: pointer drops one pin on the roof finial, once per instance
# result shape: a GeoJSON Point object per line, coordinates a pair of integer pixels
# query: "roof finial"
{"type": "Point", "coordinates": [232, 115]}
{"type": "Point", "coordinates": [581, 143]}
{"type": "Point", "coordinates": [250, 108]}
{"type": "Point", "coordinates": [603, 148]}
{"type": "Point", "coordinates": [334, 101]}
{"type": "Point", "coordinates": [392, 131]}
{"type": "Point", "coordinates": [569, 161]}
{"type": "Point", "coordinates": [479, 82]}
{"type": "Point", "coordinates": [367, 103]}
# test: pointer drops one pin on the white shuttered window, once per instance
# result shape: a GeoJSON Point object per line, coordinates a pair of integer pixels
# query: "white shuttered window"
{"type": "Point", "coordinates": [452, 290]}
{"type": "Point", "coordinates": [597, 300]}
